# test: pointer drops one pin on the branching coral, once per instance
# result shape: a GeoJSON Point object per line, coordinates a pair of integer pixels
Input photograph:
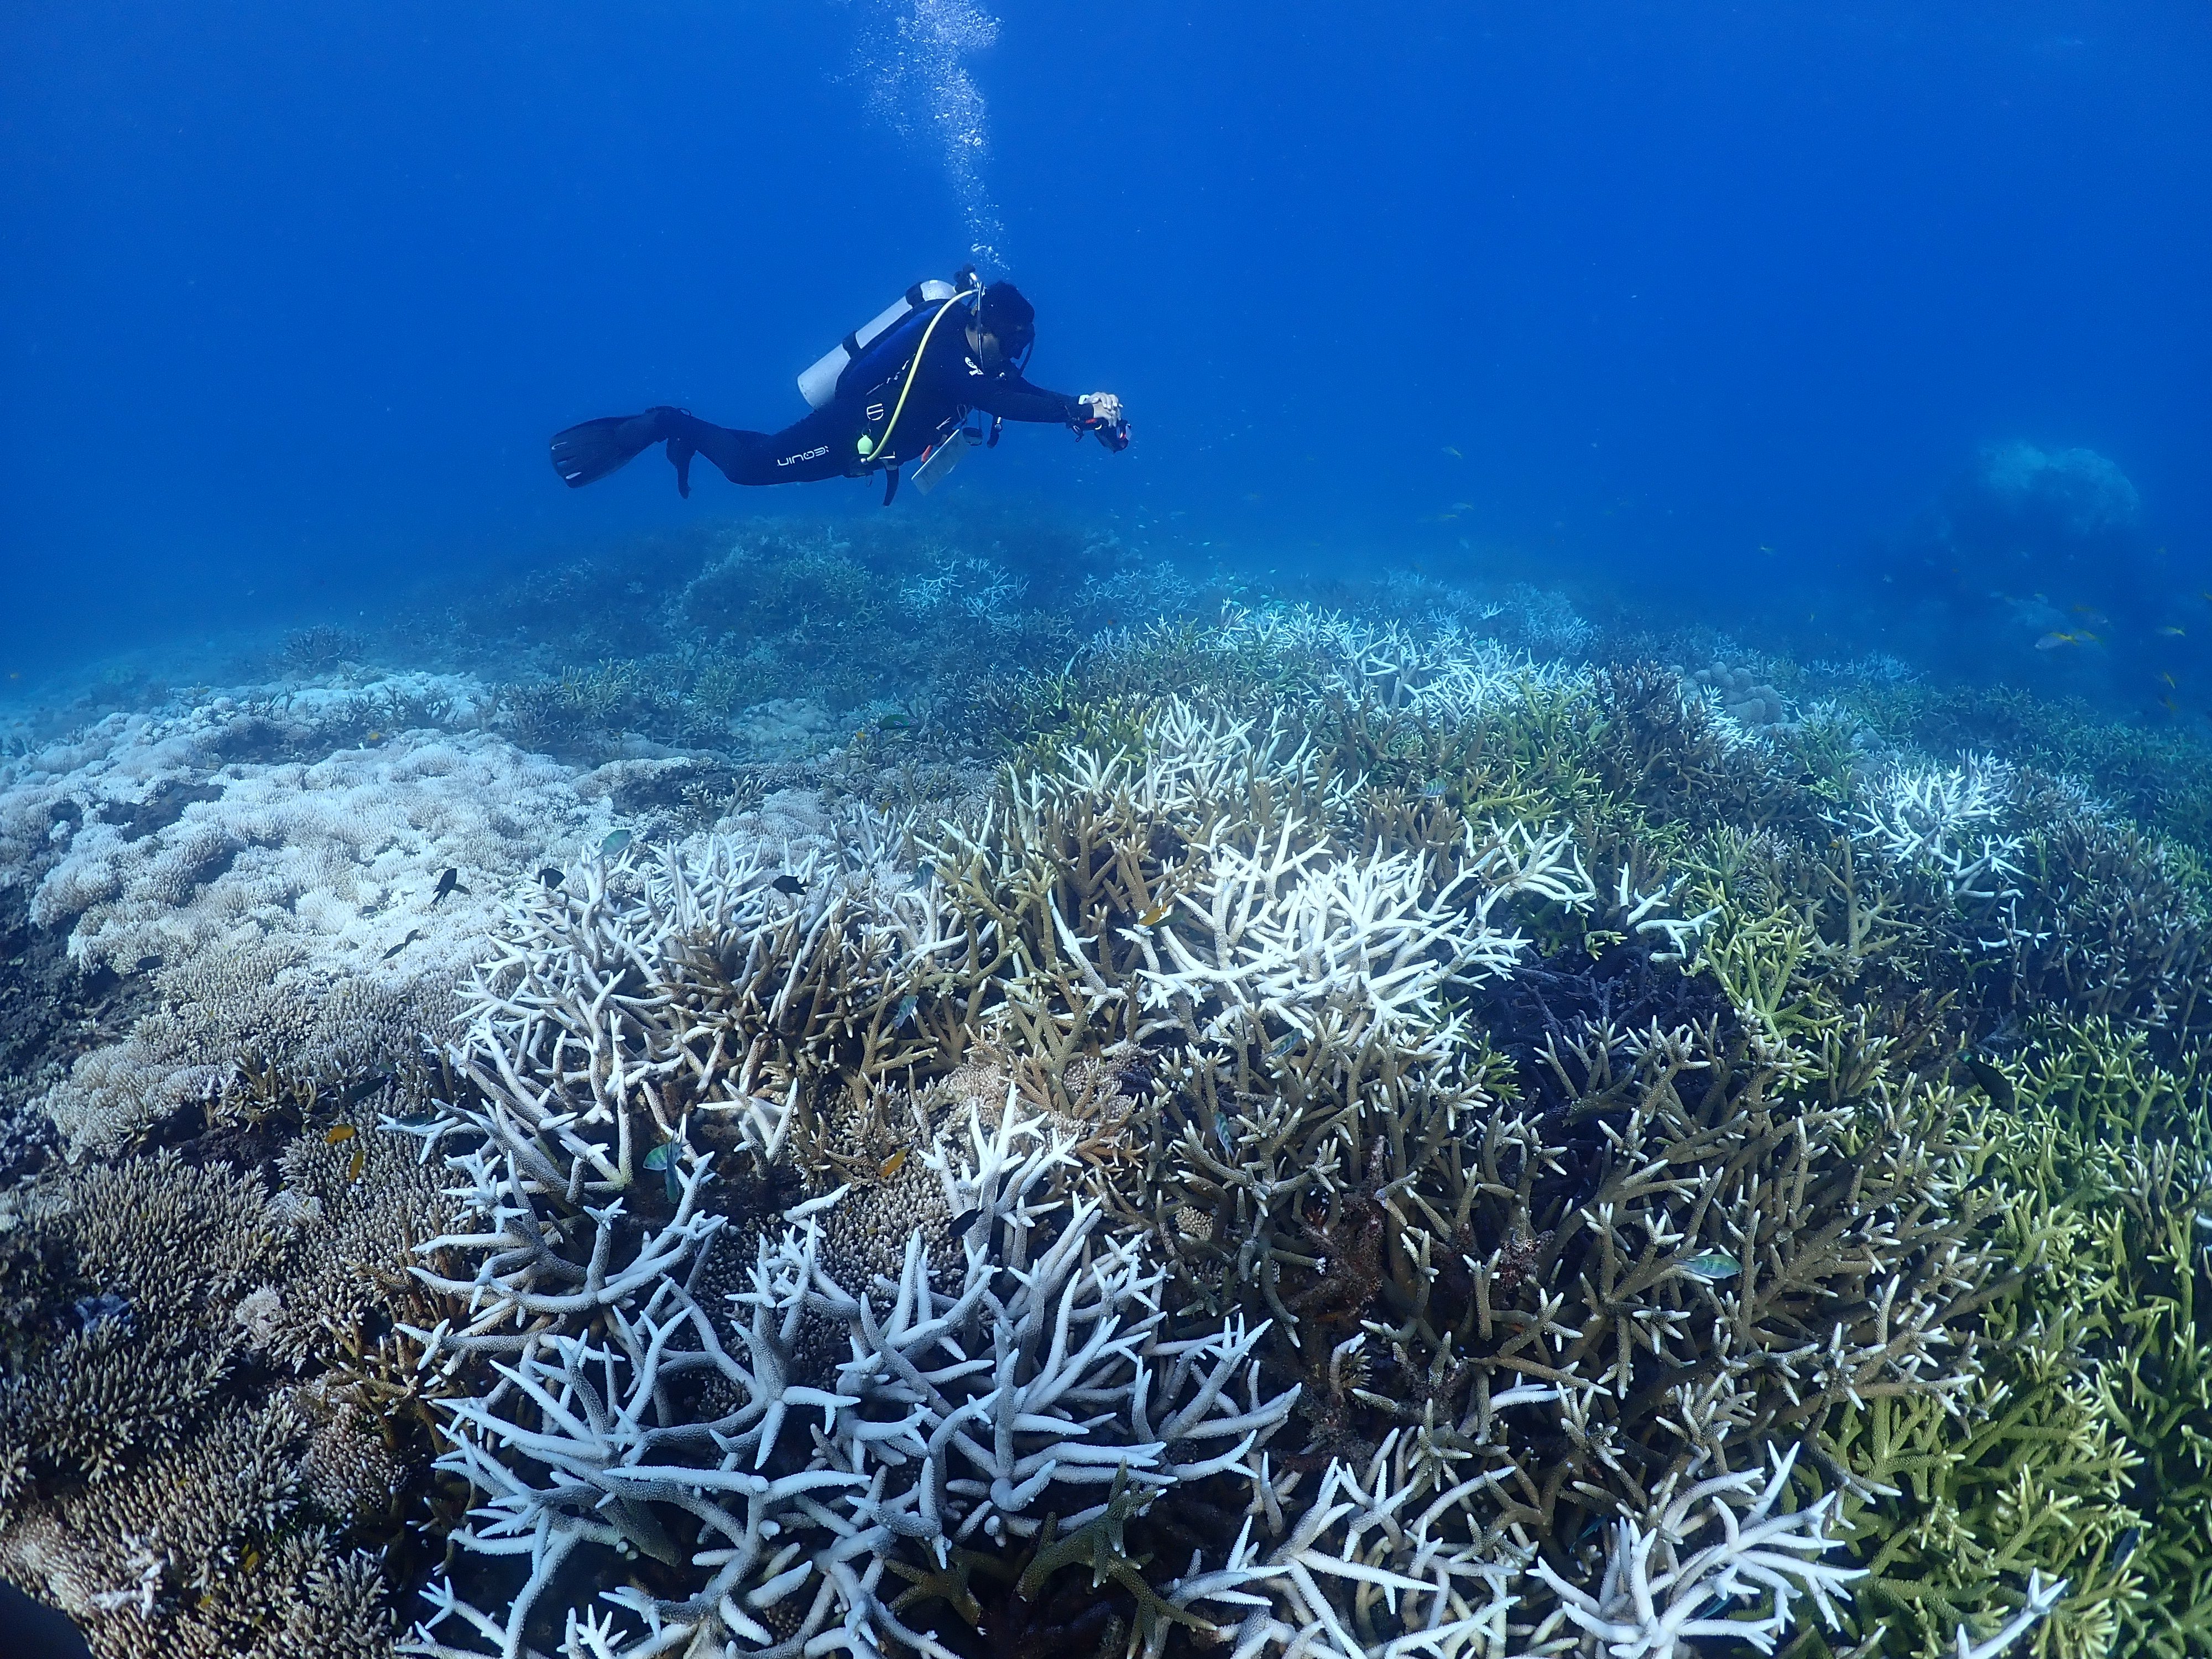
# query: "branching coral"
{"type": "Point", "coordinates": [1402, 1151]}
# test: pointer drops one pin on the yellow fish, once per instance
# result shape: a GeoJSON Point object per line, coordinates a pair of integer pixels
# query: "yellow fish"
{"type": "Point", "coordinates": [360, 1158]}
{"type": "Point", "coordinates": [1153, 917]}
{"type": "Point", "coordinates": [2172, 707]}
{"type": "Point", "coordinates": [2178, 633]}
{"type": "Point", "coordinates": [343, 1132]}
{"type": "Point", "coordinates": [2053, 641]}
{"type": "Point", "coordinates": [2170, 680]}
{"type": "Point", "coordinates": [891, 1165]}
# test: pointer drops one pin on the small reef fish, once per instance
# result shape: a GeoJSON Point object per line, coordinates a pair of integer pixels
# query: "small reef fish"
{"type": "Point", "coordinates": [895, 723]}
{"type": "Point", "coordinates": [1283, 1045]}
{"type": "Point", "coordinates": [891, 1166]}
{"type": "Point", "coordinates": [2177, 632]}
{"type": "Point", "coordinates": [448, 882]}
{"type": "Point", "coordinates": [359, 1162]}
{"type": "Point", "coordinates": [788, 883]}
{"type": "Point", "coordinates": [341, 1133]}
{"type": "Point", "coordinates": [2053, 639]}
{"type": "Point", "coordinates": [907, 1005]}
{"type": "Point", "coordinates": [1433, 789]}
{"type": "Point", "coordinates": [1454, 453]}
{"type": "Point", "coordinates": [413, 933]}
{"type": "Point", "coordinates": [1713, 1264]}
{"type": "Point", "coordinates": [2170, 680]}
{"type": "Point", "coordinates": [615, 841]}
{"type": "Point", "coordinates": [1994, 1083]}
{"type": "Point", "coordinates": [551, 877]}
{"type": "Point", "coordinates": [960, 1224]}
{"type": "Point", "coordinates": [662, 1158]}
{"type": "Point", "coordinates": [1156, 914]}
{"type": "Point", "coordinates": [361, 1091]}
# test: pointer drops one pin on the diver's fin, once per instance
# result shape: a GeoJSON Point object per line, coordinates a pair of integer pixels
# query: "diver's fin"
{"type": "Point", "coordinates": [585, 454]}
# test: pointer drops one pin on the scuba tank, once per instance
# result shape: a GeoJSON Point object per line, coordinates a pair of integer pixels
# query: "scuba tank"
{"type": "Point", "coordinates": [822, 380]}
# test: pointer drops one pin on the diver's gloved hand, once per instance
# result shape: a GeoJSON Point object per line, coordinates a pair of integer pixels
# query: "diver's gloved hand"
{"type": "Point", "coordinates": [1102, 414]}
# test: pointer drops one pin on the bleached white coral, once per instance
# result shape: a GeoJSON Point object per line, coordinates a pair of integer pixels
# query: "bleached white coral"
{"type": "Point", "coordinates": [1938, 820]}
{"type": "Point", "coordinates": [1439, 670]}
{"type": "Point", "coordinates": [1027, 1387]}
{"type": "Point", "coordinates": [1669, 1581]}
{"type": "Point", "coordinates": [1295, 933]}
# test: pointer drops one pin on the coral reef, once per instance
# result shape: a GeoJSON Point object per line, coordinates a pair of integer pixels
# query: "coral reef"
{"type": "Point", "coordinates": [1363, 1135]}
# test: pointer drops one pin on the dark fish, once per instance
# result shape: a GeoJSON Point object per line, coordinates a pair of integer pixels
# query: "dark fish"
{"type": "Point", "coordinates": [789, 883]}
{"type": "Point", "coordinates": [448, 882]}
{"type": "Point", "coordinates": [2124, 1545]}
{"type": "Point", "coordinates": [964, 1221]}
{"type": "Point", "coordinates": [361, 1091]}
{"type": "Point", "coordinates": [413, 933]}
{"type": "Point", "coordinates": [551, 877]}
{"type": "Point", "coordinates": [895, 723]}
{"type": "Point", "coordinates": [1994, 1083]}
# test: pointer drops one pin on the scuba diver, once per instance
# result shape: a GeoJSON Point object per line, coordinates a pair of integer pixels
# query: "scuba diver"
{"type": "Point", "coordinates": [900, 389]}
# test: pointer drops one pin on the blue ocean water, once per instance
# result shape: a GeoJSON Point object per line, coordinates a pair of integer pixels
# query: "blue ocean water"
{"type": "Point", "coordinates": [1872, 334]}
{"type": "Point", "coordinates": [1701, 307]}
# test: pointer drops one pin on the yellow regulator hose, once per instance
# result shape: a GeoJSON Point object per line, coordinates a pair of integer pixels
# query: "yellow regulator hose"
{"type": "Point", "coordinates": [913, 369]}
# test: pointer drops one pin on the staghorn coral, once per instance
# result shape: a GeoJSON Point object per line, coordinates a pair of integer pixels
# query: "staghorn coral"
{"type": "Point", "coordinates": [1526, 1259]}
{"type": "Point", "coordinates": [772, 1187]}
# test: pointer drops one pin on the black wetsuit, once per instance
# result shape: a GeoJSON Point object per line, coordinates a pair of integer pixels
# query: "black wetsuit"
{"type": "Point", "coordinates": [948, 384]}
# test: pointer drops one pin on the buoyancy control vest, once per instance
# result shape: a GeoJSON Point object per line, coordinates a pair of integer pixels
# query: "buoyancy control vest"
{"type": "Point", "coordinates": [827, 377]}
